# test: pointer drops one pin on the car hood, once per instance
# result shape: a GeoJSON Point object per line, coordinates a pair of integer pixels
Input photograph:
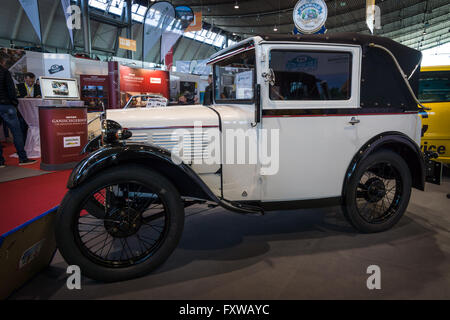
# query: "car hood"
{"type": "Point", "coordinates": [164, 117]}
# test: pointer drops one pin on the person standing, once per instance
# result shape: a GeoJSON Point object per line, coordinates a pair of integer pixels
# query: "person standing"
{"type": "Point", "coordinates": [30, 88]}
{"type": "Point", "coordinates": [8, 113]}
{"type": "Point", "coordinates": [207, 100]}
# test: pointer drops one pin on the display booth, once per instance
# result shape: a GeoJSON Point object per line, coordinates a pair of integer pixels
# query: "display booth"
{"type": "Point", "coordinates": [63, 125]}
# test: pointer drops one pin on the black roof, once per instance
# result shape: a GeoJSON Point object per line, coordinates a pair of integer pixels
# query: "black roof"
{"type": "Point", "coordinates": [406, 56]}
{"type": "Point", "coordinates": [382, 85]}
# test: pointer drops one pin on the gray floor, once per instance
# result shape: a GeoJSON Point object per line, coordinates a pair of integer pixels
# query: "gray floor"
{"type": "Point", "coordinates": [306, 254]}
{"type": "Point", "coordinates": [10, 173]}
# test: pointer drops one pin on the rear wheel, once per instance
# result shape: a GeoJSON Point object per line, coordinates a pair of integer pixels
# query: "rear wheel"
{"type": "Point", "coordinates": [378, 193]}
{"type": "Point", "coordinates": [121, 224]}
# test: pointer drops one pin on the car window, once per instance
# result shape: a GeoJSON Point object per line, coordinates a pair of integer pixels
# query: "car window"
{"type": "Point", "coordinates": [434, 86]}
{"type": "Point", "coordinates": [310, 75]}
{"type": "Point", "coordinates": [235, 78]}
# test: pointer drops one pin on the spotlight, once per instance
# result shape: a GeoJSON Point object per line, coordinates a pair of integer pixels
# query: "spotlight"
{"type": "Point", "coordinates": [236, 5]}
{"type": "Point", "coordinates": [275, 29]}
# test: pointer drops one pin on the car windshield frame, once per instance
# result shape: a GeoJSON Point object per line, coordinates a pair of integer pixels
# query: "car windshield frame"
{"type": "Point", "coordinates": [246, 50]}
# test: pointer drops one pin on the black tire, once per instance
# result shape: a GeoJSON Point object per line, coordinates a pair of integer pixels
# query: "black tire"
{"type": "Point", "coordinates": [76, 203]}
{"type": "Point", "coordinates": [365, 187]}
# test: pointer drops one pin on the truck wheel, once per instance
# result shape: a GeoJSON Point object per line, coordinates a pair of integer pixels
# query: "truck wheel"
{"type": "Point", "coordinates": [378, 193]}
{"type": "Point", "coordinates": [141, 224]}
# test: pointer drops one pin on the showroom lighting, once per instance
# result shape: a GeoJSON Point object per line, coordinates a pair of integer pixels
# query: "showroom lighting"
{"type": "Point", "coordinates": [236, 5]}
{"type": "Point", "coordinates": [275, 29]}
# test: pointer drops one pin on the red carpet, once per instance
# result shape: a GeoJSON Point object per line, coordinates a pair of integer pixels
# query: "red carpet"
{"type": "Point", "coordinates": [25, 199]}
{"type": "Point", "coordinates": [9, 149]}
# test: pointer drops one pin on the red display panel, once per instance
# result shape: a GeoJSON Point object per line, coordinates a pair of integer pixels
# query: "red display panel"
{"type": "Point", "coordinates": [63, 133]}
{"type": "Point", "coordinates": [144, 81]}
{"type": "Point", "coordinates": [94, 90]}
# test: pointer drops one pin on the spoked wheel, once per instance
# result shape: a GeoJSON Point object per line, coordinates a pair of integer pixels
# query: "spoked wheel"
{"type": "Point", "coordinates": [122, 224]}
{"type": "Point", "coordinates": [378, 193]}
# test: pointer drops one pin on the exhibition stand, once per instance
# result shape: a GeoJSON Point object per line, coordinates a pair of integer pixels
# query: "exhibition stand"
{"type": "Point", "coordinates": [63, 135]}
{"type": "Point", "coordinates": [29, 108]}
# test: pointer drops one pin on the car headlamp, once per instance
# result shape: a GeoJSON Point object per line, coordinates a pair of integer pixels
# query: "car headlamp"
{"type": "Point", "coordinates": [113, 132]}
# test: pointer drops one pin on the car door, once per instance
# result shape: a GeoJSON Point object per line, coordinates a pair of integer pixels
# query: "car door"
{"type": "Point", "coordinates": [313, 102]}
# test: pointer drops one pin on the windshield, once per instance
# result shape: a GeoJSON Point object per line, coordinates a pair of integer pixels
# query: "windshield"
{"type": "Point", "coordinates": [235, 78]}
{"type": "Point", "coordinates": [434, 86]}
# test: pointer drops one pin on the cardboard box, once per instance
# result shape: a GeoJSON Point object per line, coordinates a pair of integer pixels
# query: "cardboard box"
{"type": "Point", "coordinates": [26, 251]}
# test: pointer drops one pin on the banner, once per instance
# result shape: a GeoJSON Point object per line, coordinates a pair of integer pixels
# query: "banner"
{"type": "Point", "coordinates": [183, 18]}
{"type": "Point", "coordinates": [157, 19]}
{"type": "Point", "coordinates": [370, 14]}
{"type": "Point", "coordinates": [127, 44]}
{"type": "Point", "coordinates": [135, 80]}
{"type": "Point", "coordinates": [65, 4]}
{"type": "Point", "coordinates": [199, 67]}
{"type": "Point", "coordinates": [57, 65]}
{"type": "Point", "coordinates": [196, 24]}
{"type": "Point", "coordinates": [31, 8]}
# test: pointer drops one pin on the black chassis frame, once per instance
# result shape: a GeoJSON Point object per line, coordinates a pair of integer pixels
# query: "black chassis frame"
{"type": "Point", "coordinates": [190, 184]}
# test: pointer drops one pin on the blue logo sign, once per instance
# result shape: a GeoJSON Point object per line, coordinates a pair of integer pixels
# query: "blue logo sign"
{"type": "Point", "coordinates": [310, 16]}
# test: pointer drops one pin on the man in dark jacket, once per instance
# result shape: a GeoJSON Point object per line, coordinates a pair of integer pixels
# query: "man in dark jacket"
{"type": "Point", "coordinates": [8, 113]}
{"type": "Point", "coordinates": [29, 89]}
{"type": "Point", "coordinates": [207, 100]}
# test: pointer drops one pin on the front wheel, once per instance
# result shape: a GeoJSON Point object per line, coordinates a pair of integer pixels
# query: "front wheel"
{"type": "Point", "coordinates": [121, 224]}
{"type": "Point", "coordinates": [378, 193]}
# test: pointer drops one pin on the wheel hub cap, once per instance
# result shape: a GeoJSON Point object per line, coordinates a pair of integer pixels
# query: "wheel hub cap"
{"type": "Point", "coordinates": [376, 190]}
{"type": "Point", "coordinates": [123, 222]}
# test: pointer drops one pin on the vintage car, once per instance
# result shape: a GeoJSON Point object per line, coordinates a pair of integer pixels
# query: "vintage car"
{"type": "Point", "coordinates": [297, 122]}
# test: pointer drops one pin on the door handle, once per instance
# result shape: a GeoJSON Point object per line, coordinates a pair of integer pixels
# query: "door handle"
{"type": "Point", "coordinates": [354, 121]}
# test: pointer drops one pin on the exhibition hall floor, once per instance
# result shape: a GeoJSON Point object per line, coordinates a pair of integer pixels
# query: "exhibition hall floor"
{"type": "Point", "coordinates": [305, 254]}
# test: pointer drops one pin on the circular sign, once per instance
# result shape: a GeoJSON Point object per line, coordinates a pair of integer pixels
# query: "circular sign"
{"type": "Point", "coordinates": [310, 15]}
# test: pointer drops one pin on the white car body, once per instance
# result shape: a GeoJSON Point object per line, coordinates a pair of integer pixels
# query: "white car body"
{"type": "Point", "coordinates": [315, 151]}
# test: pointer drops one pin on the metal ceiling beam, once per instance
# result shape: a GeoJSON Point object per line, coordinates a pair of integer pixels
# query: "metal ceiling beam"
{"type": "Point", "coordinates": [17, 23]}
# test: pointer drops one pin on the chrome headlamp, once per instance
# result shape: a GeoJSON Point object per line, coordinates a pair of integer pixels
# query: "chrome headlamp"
{"type": "Point", "coordinates": [113, 132]}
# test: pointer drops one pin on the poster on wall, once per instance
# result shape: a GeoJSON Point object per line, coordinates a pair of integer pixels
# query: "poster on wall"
{"type": "Point", "coordinates": [57, 88]}
{"type": "Point", "coordinates": [94, 91]}
{"type": "Point", "coordinates": [57, 65]}
{"type": "Point", "coordinates": [244, 85]}
{"type": "Point", "coordinates": [135, 81]}
{"type": "Point", "coordinates": [16, 63]}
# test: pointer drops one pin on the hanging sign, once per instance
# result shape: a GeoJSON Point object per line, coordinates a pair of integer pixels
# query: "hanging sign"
{"type": "Point", "coordinates": [183, 18]}
{"type": "Point", "coordinates": [196, 24]}
{"type": "Point", "coordinates": [67, 13]}
{"type": "Point", "coordinates": [310, 16]}
{"type": "Point", "coordinates": [31, 8]}
{"type": "Point", "coordinates": [157, 19]}
{"type": "Point", "coordinates": [127, 44]}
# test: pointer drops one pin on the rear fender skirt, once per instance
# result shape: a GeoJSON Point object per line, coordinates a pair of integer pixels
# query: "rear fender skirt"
{"type": "Point", "coordinates": [399, 143]}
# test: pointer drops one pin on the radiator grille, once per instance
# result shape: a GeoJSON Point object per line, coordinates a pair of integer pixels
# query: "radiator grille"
{"type": "Point", "coordinates": [194, 145]}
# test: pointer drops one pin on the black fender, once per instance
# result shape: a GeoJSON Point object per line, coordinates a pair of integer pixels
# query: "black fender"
{"type": "Point", "coordinates": [159, 159]}
{"type": "Point", "coordinates": [186, 180]}
{"type": "Point", "coordinates": [399, 143]}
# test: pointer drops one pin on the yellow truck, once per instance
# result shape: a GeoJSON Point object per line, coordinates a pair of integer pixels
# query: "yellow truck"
{"type": "Point", "coordinates": [434, 92]}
